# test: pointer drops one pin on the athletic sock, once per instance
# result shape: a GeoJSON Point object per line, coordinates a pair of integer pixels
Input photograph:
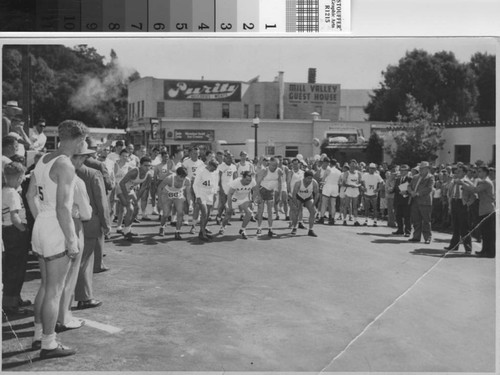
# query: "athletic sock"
{"type": "Point", "coordinates": [38, 332]}
{"type": "Point", "coordinates": [49, 341]}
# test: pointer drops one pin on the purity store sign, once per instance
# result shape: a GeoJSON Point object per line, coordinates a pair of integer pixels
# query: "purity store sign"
{"type": "Point", "coordinates": [305, 93]}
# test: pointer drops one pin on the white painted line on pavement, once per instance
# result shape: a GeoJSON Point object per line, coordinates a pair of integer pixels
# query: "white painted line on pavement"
{"type": "Point", "coordinates": [382, 313]}
{"type": "Point", "coordinates": [101, 326]}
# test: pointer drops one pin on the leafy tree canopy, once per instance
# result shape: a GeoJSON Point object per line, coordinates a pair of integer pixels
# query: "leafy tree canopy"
{"type": "Point", "coordinates": [68, 83]}
{"type": "Point", "coordinates": [433, 80]}
{"type": "Point", "coordinates": [420, 139]}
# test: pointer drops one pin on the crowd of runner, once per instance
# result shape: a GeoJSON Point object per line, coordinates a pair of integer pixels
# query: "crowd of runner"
{"type": "Point", "coordinates": [126, 184]}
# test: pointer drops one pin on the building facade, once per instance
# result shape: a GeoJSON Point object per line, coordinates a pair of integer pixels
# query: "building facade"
{"type": "Point", "coordinates": [293, 119]}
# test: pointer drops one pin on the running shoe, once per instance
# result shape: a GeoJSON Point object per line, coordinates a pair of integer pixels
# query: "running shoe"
{"type": "Point", "coordinates": [221, 231]}
{"type": "Point", "coordinates": [365, 224]}
{"type": "Point", "coordinates": [270, 233]}
{"type": "Point", "coordinates": [375, 224]}
{"type": "Point", "coordinates": [162, 231]}
{"type": "Point", "coordinates": [129, 236]}
{"type": "Point", "coordinates": [331, 221]}
{"type": "Point", "coordinates": [243, 234]}
{"type": "Point", "coordinates": [192, 230]}
{"type": "Point", "coordinates": [259, 232]}
{"type": "Point", "coordinates": [357, 224]}
{"type": "Point", "coordinates": [294, 231]}
{"type": "Point", "coordinates": [203, 238]}
{"type": "Point", "coordinates": [345, 223]}
{"type": "Point", "coordinates": [311, 233]}
{"type": "Point", "coordinates": [60, 351]}
{"type": "Point", "coordinates": [321, 220]}
{"type": "Point", "coordinates": [301, 226]}
{"type": "Point", "coordinates": [177, 236]}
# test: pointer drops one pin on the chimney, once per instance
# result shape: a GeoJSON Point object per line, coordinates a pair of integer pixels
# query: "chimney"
{"type": "Point", "coordinates": [311, 75]}
{"type": "Point", "coordinates": [281, 83]}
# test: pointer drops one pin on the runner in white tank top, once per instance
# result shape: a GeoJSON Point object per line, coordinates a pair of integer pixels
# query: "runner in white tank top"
{"type": "Point", "coordinates": [54, 235]}
{"type": "Point", "coordinates": [268, 182]}
{"type": "Point", "coordinates": [129, 199]}
{"type": "Point", "coordinates": [305, 193]}
{"type": "Point", "coordinates": [173, 191]}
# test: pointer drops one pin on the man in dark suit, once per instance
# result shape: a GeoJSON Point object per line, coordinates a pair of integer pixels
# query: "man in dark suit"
{"type": "Point", "coordinates": [420, 190]}
{"type": "Point", "coordinates": [93, 163]}
{"type": "Point", "coordinates": [94, 231]}
{"type": "Point", "coordinates": [461, 199]}
{"type": "Point", "coordinates": [401, 201]}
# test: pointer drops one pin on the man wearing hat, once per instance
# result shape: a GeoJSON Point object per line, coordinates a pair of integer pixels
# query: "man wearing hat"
{"type": "Point", "coordinates": [9, 111]}
{"type": "Point", "coordinates": [420, 190]}
{"type": "Point", "coordinates": [37, 136]}
{"type": "Point", "coordinates": [401, 201]}
{"type": "Point", "coordinates": [94, 231]}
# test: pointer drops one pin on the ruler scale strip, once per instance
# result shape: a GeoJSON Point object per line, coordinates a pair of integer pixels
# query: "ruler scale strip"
{"type": "Point", "coordinates": [179, 16]}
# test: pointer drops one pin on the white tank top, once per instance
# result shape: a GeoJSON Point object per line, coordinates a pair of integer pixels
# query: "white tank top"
{"type": "Point", "coordinates": [122, 171]}
{"type": "Point", "coordinates": [270, 181]}
{"type": "Point", "coordinates": [174, 192]}
{"type": "Point", "coordinates": [296, 177]}
{"type": "Point", "coordinates": [46, 189]}
{"type": "Point", "coordinates": [305, 192]}
{"type": "Point", "coordinates": [137, 181]}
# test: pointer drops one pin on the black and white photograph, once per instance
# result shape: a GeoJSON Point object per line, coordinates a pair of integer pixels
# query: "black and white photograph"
{"type": "Point", "coordinates": [263, 204]}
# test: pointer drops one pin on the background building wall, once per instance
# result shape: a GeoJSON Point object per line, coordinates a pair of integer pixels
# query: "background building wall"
{"type": "Point", "coordinates": [480, 139]}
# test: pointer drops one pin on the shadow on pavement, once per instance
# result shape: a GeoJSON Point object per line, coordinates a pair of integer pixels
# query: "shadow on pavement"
{"type": "Point", "coordinates": [18, 326]}
{"type": "Point", "coordinates": [376, 234]}
{"type": "Point", "coordinates": [440, 253]}
{"type": "Point", "coordinates": [394, 241]}
{"type": "Point", "coordinates": [10, 365]}
{"type": "Point", "coordinates": [9, 335]}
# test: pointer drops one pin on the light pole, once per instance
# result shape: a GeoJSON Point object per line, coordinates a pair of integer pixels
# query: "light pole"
{"type": "Point", "coordinates": [256, 122]}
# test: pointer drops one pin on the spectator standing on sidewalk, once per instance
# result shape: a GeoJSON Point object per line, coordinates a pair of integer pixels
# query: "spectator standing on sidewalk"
{"type": "Point", "coordinates": [485, 191]}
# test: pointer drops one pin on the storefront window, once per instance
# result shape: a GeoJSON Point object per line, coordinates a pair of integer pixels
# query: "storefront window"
{"type": "Point", "coordinates": [245, 111]}
{"type": "Point", "coordinates": [291, 151]}
{"type": "Point", "coordinates": [257, 111]}
{"type": "Point", "coordinates": [225, 110]}
{"type": "Point", "coordinates": [197, 110]}
{"type": "Point", "coordinates": [160, 109]}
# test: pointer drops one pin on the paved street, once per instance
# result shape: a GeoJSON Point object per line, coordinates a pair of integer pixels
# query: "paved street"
{"type": "Point", "coordinates": [353, 299]}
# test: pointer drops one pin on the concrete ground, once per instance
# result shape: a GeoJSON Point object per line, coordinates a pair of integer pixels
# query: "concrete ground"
{"type": "Point", "coordinates": [353, 299]}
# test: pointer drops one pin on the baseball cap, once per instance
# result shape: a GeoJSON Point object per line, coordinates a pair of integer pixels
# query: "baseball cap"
{"type": "Point", "coordinates": [372, 165]}
{"type": "Point", "coordinates": [84, 150]}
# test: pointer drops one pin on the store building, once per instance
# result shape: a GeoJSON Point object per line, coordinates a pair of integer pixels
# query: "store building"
{"type": "Point", "coordinates": [220, 115]}
{"type": "Point", "coordinates": [293, 119]}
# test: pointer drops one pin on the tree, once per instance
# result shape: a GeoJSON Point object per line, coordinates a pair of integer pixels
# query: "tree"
{"type": "Point", "coordinates": [483, 66]}
{"type": "Point", "coordinates": [70, 83]}
{"type": "Point", "coordinates": [419, 137]}
{"type": "Point", "coordinates": [375, 149]}
{"type": "Point", "coordinates": [437, 79]}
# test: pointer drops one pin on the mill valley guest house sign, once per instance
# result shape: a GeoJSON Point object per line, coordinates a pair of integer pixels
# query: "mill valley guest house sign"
{"type": "Point", "coordinates": [301, 99]}
{"type": "Point", "coordinates": [202, 90]}
{"type": "Point", "coordinates": [312, 93]}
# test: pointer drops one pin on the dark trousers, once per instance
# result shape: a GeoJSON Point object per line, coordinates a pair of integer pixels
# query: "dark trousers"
{"type": "Point", "coordinates": [474, 219]}
{"type": "Point", "coordinates": [14, 263]}
{"type": "Point", "coordinates": [99, 246]}
{"type": "Point", "coordinates": [488, 234]}
{"type": "Point", "coordinates": [460, 224]}
{"type": "Point", "coordinates": [421, 220]}
{"type": "Point", "coordinates": [403, 218]}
